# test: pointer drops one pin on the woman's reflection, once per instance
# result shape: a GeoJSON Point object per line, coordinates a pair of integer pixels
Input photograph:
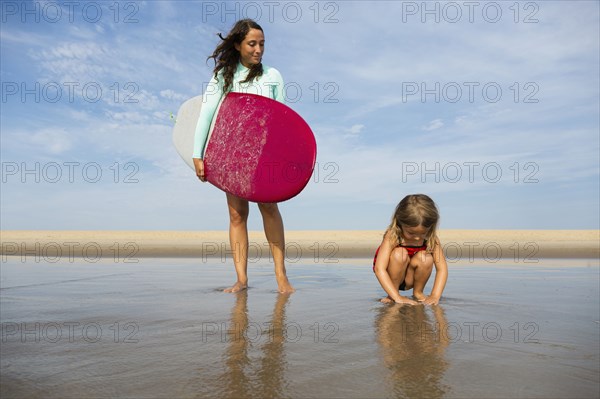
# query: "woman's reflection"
{"type": "Point", "coordinates": [236, 354]}
{"type": "Point", "coordinates": [244, 375]}
{"type": "Point", "coordinates": [271, 373]}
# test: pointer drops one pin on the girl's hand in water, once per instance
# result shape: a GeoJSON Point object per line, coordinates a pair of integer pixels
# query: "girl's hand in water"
{"type": "Point", "coordinates": [431, 300]}
{"type": "Point", "coordinates": [405, 301]}
{"type": "Point", "coordinates": [199, 165]}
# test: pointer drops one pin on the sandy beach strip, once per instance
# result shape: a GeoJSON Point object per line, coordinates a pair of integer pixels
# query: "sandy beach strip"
{"type": "Point", "coordinates": [520, 245]}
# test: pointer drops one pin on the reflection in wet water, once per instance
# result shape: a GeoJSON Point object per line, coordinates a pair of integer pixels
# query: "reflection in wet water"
{"type": "Point", "coordinates": [273, 364]}
{"type": "Point", "coordinates": [413, 349]}
{"type": "Point", "coordinates": [236, 357]}
{"type": "Point", "coordinates": [330, 339]}
{"type": "Point", "coordinates": [247, 377]}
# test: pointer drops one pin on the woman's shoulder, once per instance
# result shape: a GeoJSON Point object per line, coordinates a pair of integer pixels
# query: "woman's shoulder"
{"type": "Point", "coordinates": [271, 72]}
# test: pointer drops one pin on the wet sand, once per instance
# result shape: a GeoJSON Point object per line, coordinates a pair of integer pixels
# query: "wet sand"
{"type": "Point", "coordinates": [163, 328]}
{"type": "Point", "coordinates": [458, 244]}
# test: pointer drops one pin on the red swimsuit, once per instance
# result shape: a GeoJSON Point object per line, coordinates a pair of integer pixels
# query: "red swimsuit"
{"type": "Point", "coordinates": [412, 250]}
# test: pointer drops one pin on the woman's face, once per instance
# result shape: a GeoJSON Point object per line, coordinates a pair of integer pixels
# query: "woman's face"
{"type": "Point", "coordinates": [251, 48]}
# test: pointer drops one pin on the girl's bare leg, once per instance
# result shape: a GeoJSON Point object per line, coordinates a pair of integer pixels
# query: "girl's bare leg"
{"type": "Point", "coordinates": [273, 224]}
{"type": "Point", "coordinates": [421, 265]}
{"type": "Point", "coordinates": [397, 269]}
{"type": "Point", "coordinates": [238, 239]}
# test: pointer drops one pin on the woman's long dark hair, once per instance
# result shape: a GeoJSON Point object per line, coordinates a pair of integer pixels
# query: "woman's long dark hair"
{"type": "Point", "coordinates": [226, 57]}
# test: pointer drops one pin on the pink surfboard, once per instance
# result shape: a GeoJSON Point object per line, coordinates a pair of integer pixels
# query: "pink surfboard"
{"type": "Point", "coordinates": [258, 149]}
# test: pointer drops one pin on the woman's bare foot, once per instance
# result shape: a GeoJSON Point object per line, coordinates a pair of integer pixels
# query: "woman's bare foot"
{"type": "Point", "coordinates": [419, 296]}
{"type": "Point", "coordinates": [238, 286]}
{"type": "Point", "coordinates": [284, 286]}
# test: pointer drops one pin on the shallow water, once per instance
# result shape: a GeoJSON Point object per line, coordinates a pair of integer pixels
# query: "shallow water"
{"type": "Point", "coordinates": [163, 328]}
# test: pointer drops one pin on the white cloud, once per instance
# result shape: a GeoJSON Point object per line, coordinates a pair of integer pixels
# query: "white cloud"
{"type": "Point", "coordinates": [50, 141]}
{"type": "Point", "coordinates": [433, 125]}
{"type": "Point", "coordinates": [129, 117]}
{"type": "Point", "coordinates": [20, 38]}
{"type": "Point", "coordinates": [356, 129]}
{"type": "Point", "coordinates": [367, 62]}
{"type": "Point", "coordinates": [172, 95]}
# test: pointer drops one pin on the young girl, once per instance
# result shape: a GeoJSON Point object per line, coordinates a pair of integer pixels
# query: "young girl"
{"type": "Point", "coordinates": [408, 252]}
{"type": "Point", "coordinates": [239, 68]}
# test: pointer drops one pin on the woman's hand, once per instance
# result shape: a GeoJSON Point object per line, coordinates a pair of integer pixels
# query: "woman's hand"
{"type": "Point", "coordinates": [199, 165]}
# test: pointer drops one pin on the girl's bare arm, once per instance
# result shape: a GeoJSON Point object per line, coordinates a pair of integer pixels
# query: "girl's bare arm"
{"type": "Point", "coordinates": [441, 275]}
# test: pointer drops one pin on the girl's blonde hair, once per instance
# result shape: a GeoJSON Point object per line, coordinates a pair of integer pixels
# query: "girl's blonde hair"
{"type": "Point", "coordinates": [415, 210]}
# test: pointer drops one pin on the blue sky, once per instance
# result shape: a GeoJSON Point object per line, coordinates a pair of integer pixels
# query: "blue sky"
{"type": "Point", "coordinates": [491, 108]}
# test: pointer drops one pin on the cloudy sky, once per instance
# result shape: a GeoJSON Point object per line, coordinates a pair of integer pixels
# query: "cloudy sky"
{"type": "Point", "coordinates": [491, 108]}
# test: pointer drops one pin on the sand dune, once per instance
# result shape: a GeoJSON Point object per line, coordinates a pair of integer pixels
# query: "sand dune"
{"type": "Point", "coordinates": [489, 244]}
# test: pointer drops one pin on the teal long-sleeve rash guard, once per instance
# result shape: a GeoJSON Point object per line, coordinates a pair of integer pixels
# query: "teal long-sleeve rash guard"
{"type": "Point", "coordinates": [270, 84]}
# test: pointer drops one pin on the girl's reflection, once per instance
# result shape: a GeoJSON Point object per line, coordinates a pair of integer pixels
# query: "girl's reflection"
{"type": "Point", "coordinates": [413, 349]}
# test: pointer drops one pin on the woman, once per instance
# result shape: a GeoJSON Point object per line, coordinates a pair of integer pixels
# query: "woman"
{"type": "Point", "coordinates": [238, 68]}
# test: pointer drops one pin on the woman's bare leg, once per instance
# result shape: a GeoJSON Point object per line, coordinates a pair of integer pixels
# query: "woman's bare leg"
{"type": "Point", "coordinates": [273, 224]}
{"type": "Point", "coordinates": [238, 239]}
